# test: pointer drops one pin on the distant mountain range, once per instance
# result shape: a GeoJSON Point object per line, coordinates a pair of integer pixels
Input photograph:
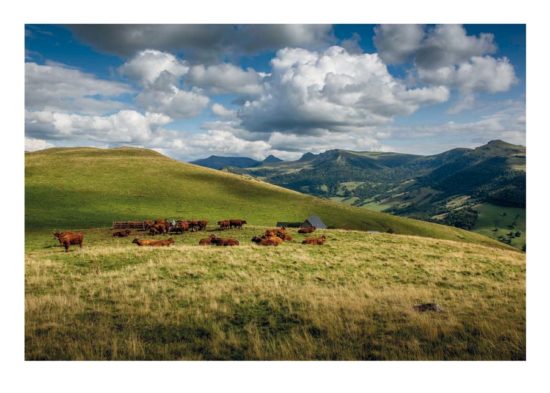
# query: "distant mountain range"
{"type": "Point", "coordinates": [445, 188]}
{"type": "Point", "coordinates": [217, 162]}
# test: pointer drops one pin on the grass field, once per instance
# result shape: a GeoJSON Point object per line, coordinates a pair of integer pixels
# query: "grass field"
{"type": "Point", "coordinates": [350, 299]}
{"type": "Point", "coordinates": [69, 188]}
{"type": "Point", "coordinates": [505, 220]}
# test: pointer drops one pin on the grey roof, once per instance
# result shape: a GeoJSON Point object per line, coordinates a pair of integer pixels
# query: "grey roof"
{"type": "Point", "coordinates": [316, 222]}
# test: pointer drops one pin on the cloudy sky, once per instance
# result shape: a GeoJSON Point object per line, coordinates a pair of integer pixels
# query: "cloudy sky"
{"type": "Point", "coordinates": [190, 91]}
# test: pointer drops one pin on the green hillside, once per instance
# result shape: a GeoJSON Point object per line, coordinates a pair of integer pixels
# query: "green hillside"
{"type": "Point", "coordinates": [89, 187]}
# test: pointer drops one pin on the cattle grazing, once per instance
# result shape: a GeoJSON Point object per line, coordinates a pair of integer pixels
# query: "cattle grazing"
{"type": "Point", "coordinates": [68, 238]}
{"type": "Point", "coordinates": [123, 233]}
{"type": "Point", "coordinates": [158, 229]}
{"type": "Point", "coordinates": [153, 243]}
{"type": "Point", "coordinates": [224, 224]}
{"type": "Point", "coordinates": [197, 225]}
{"type": "Point", "coordinates": [147, 224]}
{"type": "Point", "coordinates": [207, 241]}
{"type": "Point", "coordinates": [307, 230]}
{"type": "Point", "coordinates": [237, 223]}
{"type": "Point", "coordinates": [315, 240]}
{"type": "Point", "coordinates": [180, 227]}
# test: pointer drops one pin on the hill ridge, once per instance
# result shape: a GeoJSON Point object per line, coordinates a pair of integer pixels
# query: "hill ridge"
{"type": "Point", "coordinates": [129, 186]}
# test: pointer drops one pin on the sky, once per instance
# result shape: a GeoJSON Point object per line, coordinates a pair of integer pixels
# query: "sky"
{"type": "Point", "coordinates": [191, 91]}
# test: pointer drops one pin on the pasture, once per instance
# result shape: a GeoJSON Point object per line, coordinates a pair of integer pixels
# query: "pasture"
{"type": "Point", "coordinates": [349, 299]}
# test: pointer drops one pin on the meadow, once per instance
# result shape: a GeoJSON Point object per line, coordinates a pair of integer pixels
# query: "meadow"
{"type": "Point", "coordinates": [351, 299]}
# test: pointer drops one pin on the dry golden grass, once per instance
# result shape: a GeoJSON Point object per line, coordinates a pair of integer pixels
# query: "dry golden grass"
{"type": "Point", "coordinates": [350, 299]}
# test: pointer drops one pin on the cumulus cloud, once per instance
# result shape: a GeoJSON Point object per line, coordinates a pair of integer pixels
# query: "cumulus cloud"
{"type": "Point", "coordinates": [226, 78]}
{"type": "Point", "coordinates": [440, 46]}
{"type": "Point", "coordinates": [222, 111]}
{"type": "Point", "coordinates": [203, 43]}
{"type": "Point", "coordinates": [446, 55]}
{"type": "Point", "coordinates": [159, 74]}
{"type": "Point", "coordinates": [397, 43]}
{"type": "Point", "coordinates": [33, 144]}
{"type": "Point", "coordinates": [309, 92]}
{"type": "Point", "coordinates": [126, 126]}
{"type": "Point", "coordinates": [146, 66]}
{"type": "Point", "coordinates": [56, 87]}
{"type": "Point", "coordinates": [477, 74]}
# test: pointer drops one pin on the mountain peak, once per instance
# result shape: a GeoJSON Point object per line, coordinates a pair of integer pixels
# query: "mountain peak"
{"type": "Point", "coordinates": [271, 159]}
{"type": "Point", "coordinates": [307, 156]}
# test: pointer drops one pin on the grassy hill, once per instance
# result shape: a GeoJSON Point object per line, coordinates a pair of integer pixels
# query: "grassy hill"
{"type": "Point", "coordinates": [352, 298]}
{"type": "Point", "coordinates": [88, 187]}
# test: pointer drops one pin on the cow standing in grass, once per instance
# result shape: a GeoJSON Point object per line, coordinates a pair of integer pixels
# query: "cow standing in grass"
{"type": "Point", "coordinates": [238, 224]}
{"type": "Point", "coordinates": [68, 238]}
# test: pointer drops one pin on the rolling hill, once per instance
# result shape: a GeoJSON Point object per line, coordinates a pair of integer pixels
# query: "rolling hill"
{"type": "Point", "coordinates": [450, 188]}
{"type": "Point", "coordinates": [90, 187]}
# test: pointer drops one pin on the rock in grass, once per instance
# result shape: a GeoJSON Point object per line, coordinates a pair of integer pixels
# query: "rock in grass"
{"type": "Point", "coordinates": [428, 307]}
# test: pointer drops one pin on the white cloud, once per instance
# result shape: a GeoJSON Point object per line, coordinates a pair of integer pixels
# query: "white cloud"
{"type": "Point", "coordinates": [478, 74]}
{"type": "Point", "coordinates": [176, 103]}
{"type": "Point", "coordinates": [226, 78]}
{"type": "Point", "coordinates": [222, 111]}
{"type": "Point", "coordinates": [55, 87]}
{"type": "Point", "coordinates": [33, 144]}
{"type": "Point", "coordinates": [447, 56]}
{"type": "Point", "coordinates": [333, 90]}
{"type": "Point", "coordinates": [396, 43]}
{"type": "Point", "coordinates": [126, 126]}
{"type": "Point", "coordinates": [146, 66]}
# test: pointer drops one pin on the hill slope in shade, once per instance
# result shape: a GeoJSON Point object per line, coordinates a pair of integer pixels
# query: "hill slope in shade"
{"type": "Point", "coordinates": [89, 187]}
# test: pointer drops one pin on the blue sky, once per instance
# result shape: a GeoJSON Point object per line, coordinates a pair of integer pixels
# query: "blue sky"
{"type": "Point", "coordinates": [190, 91]}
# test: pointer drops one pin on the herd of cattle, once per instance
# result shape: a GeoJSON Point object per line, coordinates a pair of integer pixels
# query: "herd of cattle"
{"type": "Point", "coordinates": [271, 237]}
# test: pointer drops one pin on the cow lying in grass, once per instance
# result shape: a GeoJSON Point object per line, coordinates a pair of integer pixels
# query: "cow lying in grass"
{"type": "Point", "coordinates": [207, 241]}
{"type": "Point", "coordinates": [123, 233]}
{"type": "Point", "coordinates": [315, 240]}
{"type": "Point", "coordinates": [68, 238]}
{"type": "Point", "coordinates": [218, 241]}
{"type": "Point", "coordinates": [153, 243]}
{"type": "Point", "coordinates": [272, 237]}
{"type": "Point", "coordinates": [307, 229]}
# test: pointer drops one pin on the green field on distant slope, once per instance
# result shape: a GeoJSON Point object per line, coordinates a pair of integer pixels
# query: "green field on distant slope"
{"type": "Point", "coordinates": [88, 187]}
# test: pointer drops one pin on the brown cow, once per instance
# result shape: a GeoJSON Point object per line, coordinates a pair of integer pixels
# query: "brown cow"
{"type": "Point", "coordinates": [158, 229]}
{"type": "Point", "coordinates": [315, 240]}
{"type": "Point", "coordinates": [237, 223]}
{"type": "Point", "coordinates": [271, 241]}
{"type": "Point", "coordinates": [123, 233]}
{"type": "Point", "coordinates": [218, 241]}
{"type": "Point", "coordinates": [153, 243]}
{"type": "Point", "coordinates": [307, 229]}
{"type": "Point", "coordinates": [207, 241]}
{"type": "Point", "coordinates": [224, 224]}
{"type": "Point", "coordinates": [147, 224]}
{"type": "Point", "coordinates": [68, 238]}
{"type": "Point", "coordinates": [180, 227]}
